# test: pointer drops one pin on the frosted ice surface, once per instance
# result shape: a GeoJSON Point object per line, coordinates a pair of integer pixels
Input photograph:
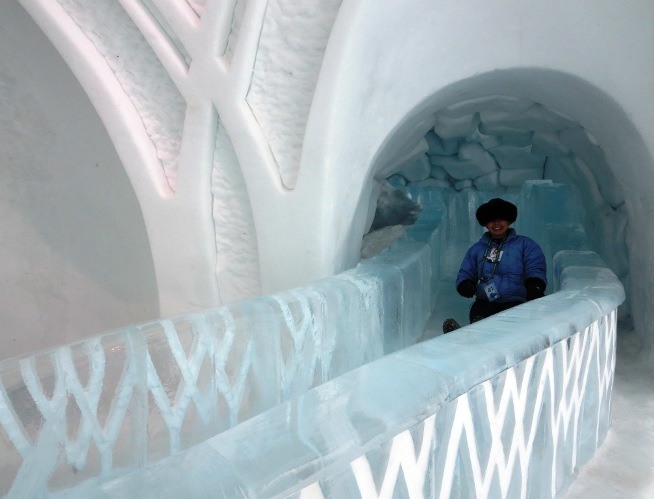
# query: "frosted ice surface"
{"type": "Point", "coordinates": [434, 183]}
{"type": "Point", "coordinates": [441, 147]}
{"type": "Point", "coordinates": [403, 156]}
{"type": "Point", "coordinates": [515, 178]}
{"type": "Point", "coordinates": [586, 149]}
{"type": "Point", "coordinates": [418, 169]}
{"type": "Point", "coordinates": [463, 184]}
{"type": "Point", "coordinates": [460, 169]}
{"type": "Point", "coordinates": [448, 127]}
{"type": "Point", "coordinates": [491, 103]}
{"type": "Point", "coordinates": [471, 151]}
{"type": "Point", "coordinates": [511, 157]}
{"type": "Point", "coordinates": [438, 172]}
{"type": "Point", "coordinates": [488, 182]}
{"type": "Point", "coordinates": [548, 143]}
{"type": "Point", "coordinates": [374, 242]}
{"type": "Point", "coordinates": [517, 139]}
{"type": "Point", "coordinates": [536, 118]}
{"type": "Point", "coordinates": [580, 141]}
{"type": "Point", "coordinates": [487, 141]}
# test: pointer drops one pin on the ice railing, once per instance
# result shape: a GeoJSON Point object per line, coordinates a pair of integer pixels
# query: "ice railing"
{"type": "Point", "coordinates": [508, 407]}
{"type": "Point", "coordinates": [118, 401]}
{"type": "Point", "coordinates": [87, 413]}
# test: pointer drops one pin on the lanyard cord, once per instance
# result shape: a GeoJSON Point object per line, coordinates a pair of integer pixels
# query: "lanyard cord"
{"type": "Point", "coordinates": [484, 258]}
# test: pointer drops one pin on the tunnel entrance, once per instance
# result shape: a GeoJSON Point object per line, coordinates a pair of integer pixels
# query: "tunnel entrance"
{"type": "Point", "coordinates": [494, 144]}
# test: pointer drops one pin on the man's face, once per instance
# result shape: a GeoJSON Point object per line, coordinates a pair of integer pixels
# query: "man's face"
{"type": "Point", "coordinates": [497, 228]}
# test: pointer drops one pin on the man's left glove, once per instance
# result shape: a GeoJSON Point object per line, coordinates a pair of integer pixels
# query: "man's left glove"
{"type": "Point", "coordinates": [535, 288]}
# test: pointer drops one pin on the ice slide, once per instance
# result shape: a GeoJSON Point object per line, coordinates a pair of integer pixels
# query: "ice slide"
{"type": "Point", "coordinates": [299, 394]}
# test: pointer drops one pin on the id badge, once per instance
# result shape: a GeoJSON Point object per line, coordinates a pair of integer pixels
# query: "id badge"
{"type": "Point", "coordinates": [491, 291]}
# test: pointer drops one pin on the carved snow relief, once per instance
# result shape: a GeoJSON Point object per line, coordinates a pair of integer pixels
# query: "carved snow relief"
{"type": "Point", "coordinates": [291, 49]}
{"type": "Point", "coordinates": [237, 264]}
{"type": "Point", "coordinates": [140, 73]}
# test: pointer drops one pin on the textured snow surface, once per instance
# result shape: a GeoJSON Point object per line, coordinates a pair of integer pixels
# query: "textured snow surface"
{"type": "Point", "coordinates": [237, 264]}
{"type": "Point", "coordinates": [139, 71]}
{"type": "Point", "coordinates": [293, 41]}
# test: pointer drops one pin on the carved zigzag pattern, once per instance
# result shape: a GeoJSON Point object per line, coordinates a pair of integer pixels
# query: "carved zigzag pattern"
{"type": "Point", "coordinates": [530, 426]}
{"type": "Point", "coordinates": [133, 397]}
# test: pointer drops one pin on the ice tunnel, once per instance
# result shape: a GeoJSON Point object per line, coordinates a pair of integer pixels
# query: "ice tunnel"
{"type": "Point", "coordinates": [254, 135]}
{"type": "Point", "coordinates": [491, 141]}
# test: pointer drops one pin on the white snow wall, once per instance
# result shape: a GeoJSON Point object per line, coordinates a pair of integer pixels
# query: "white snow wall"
{"type": "Point", "coordinates": [75, 258]}
{"type": "Point", "coordinates": [307, 101]}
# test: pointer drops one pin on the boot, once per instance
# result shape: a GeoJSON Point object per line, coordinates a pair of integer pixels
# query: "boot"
{"type": "Point", "coordinates": [450, 325]}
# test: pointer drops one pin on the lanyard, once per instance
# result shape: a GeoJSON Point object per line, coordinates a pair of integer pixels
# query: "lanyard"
{"type": "Point", "coordinates": [484, 258]}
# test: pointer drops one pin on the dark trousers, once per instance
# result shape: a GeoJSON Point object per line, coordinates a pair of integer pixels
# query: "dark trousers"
{"type": "Point", "coordinates": [483, 308]}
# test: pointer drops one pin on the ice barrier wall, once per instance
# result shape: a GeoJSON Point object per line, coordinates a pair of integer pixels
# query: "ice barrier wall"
{"type": "Point", "coordinates": [75, 418]}
{"type": "Point", "coordinates": [508, 408]}
{"type": "Point", "coordinates": [119, 401]}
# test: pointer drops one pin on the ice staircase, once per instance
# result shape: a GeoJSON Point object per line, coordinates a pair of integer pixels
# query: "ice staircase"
{"type": "Point", "coordinates": [328, 390]}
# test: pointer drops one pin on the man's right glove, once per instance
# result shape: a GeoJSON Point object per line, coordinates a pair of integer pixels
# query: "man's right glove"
{"type": "Point", "coordinates": [467, 288]}
{"type": "Point", "coordinates": [535, 288]}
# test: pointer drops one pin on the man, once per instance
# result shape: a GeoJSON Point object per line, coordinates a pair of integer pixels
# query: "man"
{"type": "Point", "coordinates": [502, 269]}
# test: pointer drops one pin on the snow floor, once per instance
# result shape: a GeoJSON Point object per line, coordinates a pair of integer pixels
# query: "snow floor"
{"type": "Point", "coordinates": [624, 465]}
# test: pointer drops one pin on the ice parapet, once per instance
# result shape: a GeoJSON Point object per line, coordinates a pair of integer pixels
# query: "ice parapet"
{"type": "Point", "coordinates": [480, 412]}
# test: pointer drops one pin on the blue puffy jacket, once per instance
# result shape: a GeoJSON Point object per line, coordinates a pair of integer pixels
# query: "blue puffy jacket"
{"type": "Point", "coordinates": [520, 259]}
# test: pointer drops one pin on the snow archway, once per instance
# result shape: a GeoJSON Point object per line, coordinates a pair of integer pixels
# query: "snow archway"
{"type": "Point", "coordinates": [489, 141]}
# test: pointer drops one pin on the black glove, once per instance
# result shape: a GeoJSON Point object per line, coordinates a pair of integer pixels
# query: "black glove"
{"type": "Point", "coordinates": [467, 289]}
{"type": "Point", "coordinates": [535, 288]}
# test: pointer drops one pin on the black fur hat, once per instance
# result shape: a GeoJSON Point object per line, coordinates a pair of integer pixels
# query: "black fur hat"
{"type": "Point", "coordinates": [497, 209]}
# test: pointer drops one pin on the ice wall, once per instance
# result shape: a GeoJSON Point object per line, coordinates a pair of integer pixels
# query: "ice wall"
{"type": "Point", "coordinates": [495, 144]}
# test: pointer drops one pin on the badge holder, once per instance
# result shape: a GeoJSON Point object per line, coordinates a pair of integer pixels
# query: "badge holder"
{"type": "Point", "coordinates": [491, 291]}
